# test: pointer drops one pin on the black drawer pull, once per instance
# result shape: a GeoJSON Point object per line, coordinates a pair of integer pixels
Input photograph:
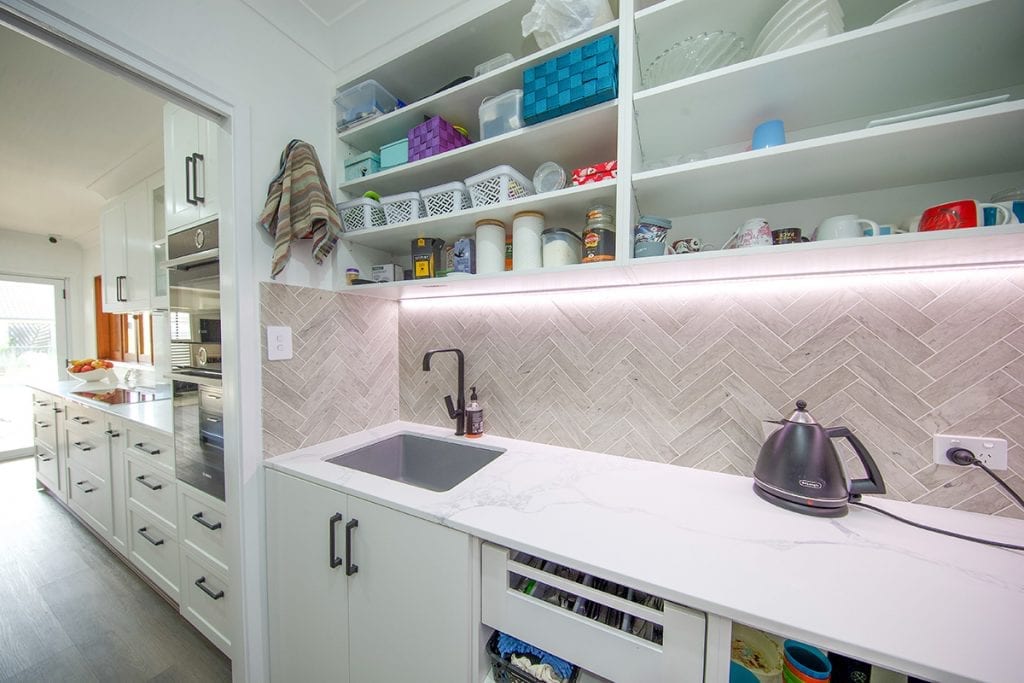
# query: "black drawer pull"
{"type": "Point", "coordinates": [40, 456]}
{"type": "Point", "coordinates": [335, 560]}
{"type": "Point", "coordinates": [83, 486]}
{"type": "Point", "coordinates": [82, 446]}
{"type": "Point", "coordinates": [152, 487]}
{"type": "Point", "coordinates": [41, 403]}
{"type": "Point", "coordinates": [81, 420]}
{"type": "Point", "coordinates": [154, 541]}
{"type": "Point", "coordinates": [350, 568]}
{"type": "Point", "coordinates": [199, 518]}
{"type": "Point", "coordinates": [201, 585]}
{"type": "Point", "coordinates": [42, 425]}
{"type": "Point", "coordinates": [141, 447]}
{"type": "Point", "coordinates": [57, 410]}
{"type": "Point", "coordinates": [112, 433]}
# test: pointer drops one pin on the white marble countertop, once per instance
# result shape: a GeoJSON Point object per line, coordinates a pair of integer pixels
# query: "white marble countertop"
{"type": "Point", "coordinates": [866, 585]}
{"type": "Point", "coordinates": [157, 415]}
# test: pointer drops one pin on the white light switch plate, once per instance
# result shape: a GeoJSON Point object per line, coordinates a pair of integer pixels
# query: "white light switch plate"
{"type": "Point", "coordinates": [989, 450]}
{"type": "Point", "coordinates": [279, 343]}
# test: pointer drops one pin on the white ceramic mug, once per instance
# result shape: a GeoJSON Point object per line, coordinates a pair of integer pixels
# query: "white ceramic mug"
{"type": "Point", "coordinates": [754, 233]}
{"type": "Point", "coordinates": [843, 227]}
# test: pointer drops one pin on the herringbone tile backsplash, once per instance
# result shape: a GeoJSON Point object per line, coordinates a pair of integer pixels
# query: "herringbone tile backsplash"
{"type": "Point", "coordinates": [685, 375]}
{"type": "Point", "coordinates": [343, 376]}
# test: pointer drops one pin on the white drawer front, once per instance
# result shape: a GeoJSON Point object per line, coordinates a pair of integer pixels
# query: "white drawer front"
{"type": "Point", "coordinates": [44, 401]}
{"type": "Point", "coordinates": [602, 649]}
{"type": "Point", "coordinates": [85, 418]}
{"type": "Point", "coordinates": [44, 427]}
{"type": "Point", "coordinates": [89, 449]}
{"type": "Point", "coordinates": [48, 468]}
{"type": "Point", "coordinates": [205, 601]}
{"type": "Point", "coordinates": [90, 496]}
{"type": "Point", "coordinates": [150, 446]}
{"type": "Point", "coordinates": [203, 527]}
{"type": "Point", "coordinates": [152, 487]}
{"type": "Point", "coordinates": [154, 550]}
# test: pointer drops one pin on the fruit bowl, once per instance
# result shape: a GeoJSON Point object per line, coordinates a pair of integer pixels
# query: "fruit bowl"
{"type": "Point", "coordinates": [94, 375]}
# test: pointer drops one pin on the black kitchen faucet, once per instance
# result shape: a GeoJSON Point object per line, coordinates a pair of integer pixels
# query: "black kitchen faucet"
{"type": "Point", "coordinates": [457, 411]}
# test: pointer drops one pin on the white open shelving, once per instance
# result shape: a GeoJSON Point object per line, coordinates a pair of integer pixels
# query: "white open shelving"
{"type": "Point", "coordinates": [826, 92]}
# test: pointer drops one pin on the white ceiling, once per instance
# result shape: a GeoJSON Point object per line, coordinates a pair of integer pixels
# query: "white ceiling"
{"type": "Point", "coordinates": [71, 136]}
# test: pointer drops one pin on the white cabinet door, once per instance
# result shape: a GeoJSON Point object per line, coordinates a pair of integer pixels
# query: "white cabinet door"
{"type": "Point", "coordinates": [113, 228]}
{"type": "Point", "coordinates": [138, 247]}
{"type": "Point", "coordinates": [181, 142]}
{"type": "Point", "coordinates": [410, 616]}
{"type": "Point", "coordinates": [118, 488]}
{"type": "Point", "coordinates": [308, 602]}
{"type": "Point", "coordinates": [207, 169]}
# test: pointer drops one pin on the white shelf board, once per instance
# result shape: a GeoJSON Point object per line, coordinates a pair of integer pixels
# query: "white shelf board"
{"type": "Point", "coordinates": [877, 69]}
{"type": "Point", "coordinates": [461, 104]}
{"type": "Point", "coordinates": [564, 208]}
{"type": "Point", "coordinates": [959, 145]}
{"type": "Point", "coordinates": [578, 139]}
{"type": "Point", "coordinates": [967, 248]}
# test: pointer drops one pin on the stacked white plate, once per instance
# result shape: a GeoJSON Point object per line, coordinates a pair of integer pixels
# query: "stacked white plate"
{"type": "Point", "coordinates": [799, 22]}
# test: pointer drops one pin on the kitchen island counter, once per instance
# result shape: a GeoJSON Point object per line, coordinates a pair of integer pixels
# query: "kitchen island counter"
{"type": "Point", "coordinates": [864, 584]}
{"type": "Point", "coordinates": [158, 414]}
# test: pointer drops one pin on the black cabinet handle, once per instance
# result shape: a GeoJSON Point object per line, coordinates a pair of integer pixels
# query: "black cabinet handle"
{"type": "Point", "coordinates": [82, 446]}
{"type": "Point", "coordinates": [154, 541]}
{"type": "Point", "coordinates": [199, 518]}
{"type": "Point", "coordinates": [190, 182]}
{"type": "Point", "coordinates": [141, 447]}
{"type": "Point", "coordinates": [350, 568]}
{"type": "Point", "coordinates": [122, 282]}
{"type": "Point", "coordinates": [40, 456]}
{"type": "Point", "coordinates": [113, 434]}
{"type": "Point", "coordinates": [82, 485]}
{"type": "Point", "coordinates": [201, 585]}
{"type": "Point", "coordinates": [41, 424]}
{"type": "Point", "coordinates": [196, 158]}
{"type": "Point", "coordinates": [41, 403]}
{"type": "Point", "coordinates": [57, 410]}
{"type": "Point", "coordinates": [152, 487]}
{"type": "Point", "coordinates": [335, 560]}
{"type": "Point", "coordinates": [81, 420]}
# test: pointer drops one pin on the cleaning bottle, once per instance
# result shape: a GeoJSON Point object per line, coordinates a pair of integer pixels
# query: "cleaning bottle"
{"type": "Point", "coordinates": [474, 416]}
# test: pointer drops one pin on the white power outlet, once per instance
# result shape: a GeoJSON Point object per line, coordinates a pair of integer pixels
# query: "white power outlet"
{"type": "Point", "coordinates": [988, 450]}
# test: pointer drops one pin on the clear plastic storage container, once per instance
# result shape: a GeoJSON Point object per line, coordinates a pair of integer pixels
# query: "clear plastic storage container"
{"type": "Point", "coordinates": [501, 114]}
{"type": "Point", "coordinates": [363, 102]}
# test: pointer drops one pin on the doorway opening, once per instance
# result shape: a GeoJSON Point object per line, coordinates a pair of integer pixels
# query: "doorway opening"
{"type": "Point", "coordinates": [33, 350]}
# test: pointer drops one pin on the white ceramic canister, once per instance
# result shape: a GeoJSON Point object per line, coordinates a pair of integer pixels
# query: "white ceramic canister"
{"type": "Point", "coordinates": [490, 246]}
{"type": "Point", "coordinates": [527, 245]}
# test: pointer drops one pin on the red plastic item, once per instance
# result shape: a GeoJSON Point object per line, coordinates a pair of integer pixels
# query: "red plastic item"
{"type": "Point", "coordinates": [595, 173]}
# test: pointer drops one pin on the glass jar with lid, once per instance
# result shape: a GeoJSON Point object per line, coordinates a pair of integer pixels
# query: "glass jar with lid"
{"type": "Point", "coordinates": [599, 234]}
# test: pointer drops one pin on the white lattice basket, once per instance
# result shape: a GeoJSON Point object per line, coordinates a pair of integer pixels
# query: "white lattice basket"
{"type": "Point", "coordinates": [361, 213]}
{"type": "Point", "coordinates": [499, 184]}
{"type": "Point", "coordinates": [402, 208]}
{"type": "Point", "coordinates": [447, 198]}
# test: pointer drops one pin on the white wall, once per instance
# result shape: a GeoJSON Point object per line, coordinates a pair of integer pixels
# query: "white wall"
{"type": "Point", "coordinates": [24, 253]}
{"type": "Point", "coordinates": [92, 265]}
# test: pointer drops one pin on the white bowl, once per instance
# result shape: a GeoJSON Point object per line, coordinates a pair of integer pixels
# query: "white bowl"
{"type": "Point", "coordinates": [98, 375]}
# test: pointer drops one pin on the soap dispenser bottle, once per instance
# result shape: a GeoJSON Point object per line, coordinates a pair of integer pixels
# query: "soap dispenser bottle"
{"type": "Point", "coordinates": [474, 416]}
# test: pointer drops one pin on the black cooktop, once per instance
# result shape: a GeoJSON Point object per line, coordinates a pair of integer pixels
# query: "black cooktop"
{"type": "Point", "coordinates": [118, 396]}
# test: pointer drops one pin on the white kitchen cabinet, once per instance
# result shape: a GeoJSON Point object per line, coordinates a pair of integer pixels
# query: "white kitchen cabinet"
{"type": "Point", "coordinates": [49, 439]}
{"type": "Point", "coordinates": [361, 592]}
{"type": "Point", "coordinates": [126, 239]}
{"type": "Point", "coordinates": [190, 164]}
{"type": "Point", "coordinates": [206, 594]}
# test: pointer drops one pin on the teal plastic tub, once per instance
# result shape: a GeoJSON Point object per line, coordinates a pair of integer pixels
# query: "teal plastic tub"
{"type": "Point", "coordinates": [361, 166]}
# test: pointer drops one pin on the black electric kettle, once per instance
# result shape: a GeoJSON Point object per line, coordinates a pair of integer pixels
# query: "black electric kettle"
{"type": "Point", "coordinates": [799, 469]}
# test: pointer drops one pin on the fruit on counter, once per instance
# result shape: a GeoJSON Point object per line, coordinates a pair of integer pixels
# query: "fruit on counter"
{"type": "Point", "coordinates": [88, 365]}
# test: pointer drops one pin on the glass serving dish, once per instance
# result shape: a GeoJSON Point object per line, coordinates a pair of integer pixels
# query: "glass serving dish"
{"type": "Point", "coordinates": [695, 55]}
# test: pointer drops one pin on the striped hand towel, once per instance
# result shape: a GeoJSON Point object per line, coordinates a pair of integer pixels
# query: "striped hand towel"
{"type": "Point", "coordinates": [299, 206]}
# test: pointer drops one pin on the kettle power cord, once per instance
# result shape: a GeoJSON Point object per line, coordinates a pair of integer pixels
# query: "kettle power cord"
{"type": "Point", "coordinates": [963, 457]}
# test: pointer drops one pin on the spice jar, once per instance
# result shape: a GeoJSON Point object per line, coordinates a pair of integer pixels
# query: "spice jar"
{"type": "Point", "coordinates": [599, 234]}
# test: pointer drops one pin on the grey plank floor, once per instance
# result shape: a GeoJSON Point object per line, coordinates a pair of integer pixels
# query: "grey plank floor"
{"type": "Point", "coordinates": [71, 611]}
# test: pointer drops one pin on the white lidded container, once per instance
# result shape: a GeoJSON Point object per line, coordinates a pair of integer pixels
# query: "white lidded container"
{"type": "Point", "coordinates": [527, 246]}
{"type": "Point", "coordinates": [490, 246]}
{"type": "Point", "coordinates": [562, 247]}
{"type": "Point", "coordinates": [501, 114]}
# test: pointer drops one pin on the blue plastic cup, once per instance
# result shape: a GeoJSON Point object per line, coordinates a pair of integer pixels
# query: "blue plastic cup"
{"type": "Point", "coordinates": [769, 134]}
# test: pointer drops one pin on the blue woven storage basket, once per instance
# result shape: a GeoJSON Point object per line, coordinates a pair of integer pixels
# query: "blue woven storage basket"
{"type": "Point", "coordinates": [572, 81]}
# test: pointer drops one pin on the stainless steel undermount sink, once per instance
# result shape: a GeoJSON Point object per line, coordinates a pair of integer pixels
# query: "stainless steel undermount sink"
{"type": "Point", "coordinates": [426, 462]}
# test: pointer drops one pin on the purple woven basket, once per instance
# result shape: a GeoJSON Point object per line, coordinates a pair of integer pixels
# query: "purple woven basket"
{"type": "Point", "coordinates": [433, 137]}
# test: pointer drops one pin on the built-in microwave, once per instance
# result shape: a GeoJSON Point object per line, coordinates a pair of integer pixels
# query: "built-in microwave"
{"type": "Point", "coordinates": [194, 284]}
